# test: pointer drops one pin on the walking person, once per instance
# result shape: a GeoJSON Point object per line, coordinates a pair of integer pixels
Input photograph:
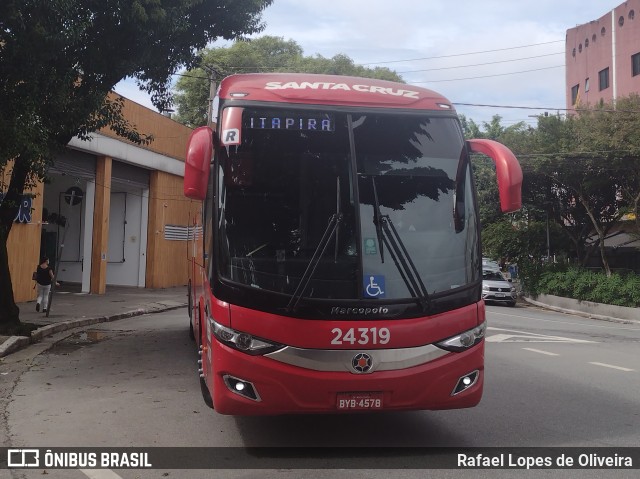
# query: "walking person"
{"type": "Point", "coordinates": [44, 278]}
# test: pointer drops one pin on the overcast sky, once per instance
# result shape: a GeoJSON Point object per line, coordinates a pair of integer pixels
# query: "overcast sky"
{"type": "Point", "coordinates": [489, 52]}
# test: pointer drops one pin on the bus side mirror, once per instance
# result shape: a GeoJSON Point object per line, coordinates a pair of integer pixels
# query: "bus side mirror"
{"type": "Point", "coordinates": [197, 163]}
{"type": "Point", "coordinates": [508, 172]}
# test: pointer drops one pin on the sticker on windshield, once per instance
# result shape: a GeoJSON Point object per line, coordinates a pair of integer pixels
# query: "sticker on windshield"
{"type": "Point", "coordinates": [231, 136]}
{"type": "Point", "coordinates": [370, 246]}
{"type": "Point", "coordinates": [374, 286]}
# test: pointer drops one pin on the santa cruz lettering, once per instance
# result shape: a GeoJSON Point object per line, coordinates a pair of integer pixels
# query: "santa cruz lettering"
{"type": "Point", "coordinates": [362, 311]}
{"type": "Point", "coordinates": [276, 85]}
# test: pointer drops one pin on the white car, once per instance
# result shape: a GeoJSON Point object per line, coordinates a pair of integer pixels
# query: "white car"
{"type": "Point", "coordinates": [496, 288]}
{"type": "Point", "coordinates": [489, 264]}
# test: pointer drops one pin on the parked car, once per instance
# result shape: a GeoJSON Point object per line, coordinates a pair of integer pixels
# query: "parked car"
{"type": "Point", "coordinates": [496, 288]}
{"type": "Point", "coordinates": [488, 263]}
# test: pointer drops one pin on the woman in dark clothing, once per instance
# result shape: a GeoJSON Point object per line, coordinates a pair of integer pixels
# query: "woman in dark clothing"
{"type": "Point", "coordinates": [44, 277]}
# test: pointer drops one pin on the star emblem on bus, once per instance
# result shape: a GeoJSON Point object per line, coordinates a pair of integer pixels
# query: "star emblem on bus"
{"type": "Point", "coordinates": [362, 363]}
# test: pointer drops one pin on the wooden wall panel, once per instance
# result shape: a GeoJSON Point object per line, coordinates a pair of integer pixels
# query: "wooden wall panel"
{"type": "Point", "coordinates": [170, 137]}
{"type": "Point", "coordinates": [167, 260]}
{"type": "Point", "coordinates": [24, 246]}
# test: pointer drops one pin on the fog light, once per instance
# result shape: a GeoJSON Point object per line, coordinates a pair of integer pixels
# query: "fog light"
{"type": "Point", "coordinates": [465, 382]}
{"type": "Point", "coordinates": [241, 387]}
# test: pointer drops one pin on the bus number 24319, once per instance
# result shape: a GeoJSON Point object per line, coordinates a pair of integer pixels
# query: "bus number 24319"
{"type": "Point", "coordinates": [362, 336]}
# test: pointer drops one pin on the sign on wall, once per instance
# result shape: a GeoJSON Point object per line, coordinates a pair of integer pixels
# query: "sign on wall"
{"type": "Point", "coordinates": [24, 212]}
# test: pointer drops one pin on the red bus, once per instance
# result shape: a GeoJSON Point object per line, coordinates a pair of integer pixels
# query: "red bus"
{"type": "Point", "coordinates": [339, 267]}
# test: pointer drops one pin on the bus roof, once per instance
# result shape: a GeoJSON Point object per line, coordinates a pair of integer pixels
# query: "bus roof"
{"type": "Point", "coordinates": [306, 88]}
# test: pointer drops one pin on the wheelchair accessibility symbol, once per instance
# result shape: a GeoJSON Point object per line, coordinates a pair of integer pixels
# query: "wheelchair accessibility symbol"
{"type": "Point", "coordinates": [374, 286]}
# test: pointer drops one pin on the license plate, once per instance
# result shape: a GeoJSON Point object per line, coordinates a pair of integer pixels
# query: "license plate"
{"type": "Point", "coordinates": [499, 295]}
{"type": "Point", "coordinates": [359, 401]}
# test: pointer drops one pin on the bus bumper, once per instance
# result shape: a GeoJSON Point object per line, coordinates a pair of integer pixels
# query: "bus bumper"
{"type": "Point", "coordinates": [285, 389]}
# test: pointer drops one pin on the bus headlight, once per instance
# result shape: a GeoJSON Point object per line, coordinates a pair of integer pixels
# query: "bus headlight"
{"type": "Point", "coordinates": [242, 341]}
{"type": "Point", "coordinates": [465, 340]}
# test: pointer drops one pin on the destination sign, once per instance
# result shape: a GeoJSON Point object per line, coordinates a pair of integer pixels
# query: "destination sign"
{"type": "Point", "coordinates": [289, 121]}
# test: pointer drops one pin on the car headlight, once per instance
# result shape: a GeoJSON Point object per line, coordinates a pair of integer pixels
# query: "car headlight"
{"type": "Point", "coordinates": [485, 287]}
{"type": "Point", "coordinates": [465, 340]}
{"type": "Point", "coordinates": [513, 289]}
{"type": "Point", "coordinates": [242, 341]}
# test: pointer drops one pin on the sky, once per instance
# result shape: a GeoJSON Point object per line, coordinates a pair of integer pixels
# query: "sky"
{"type": "Point", "coordinates": [503, 53]}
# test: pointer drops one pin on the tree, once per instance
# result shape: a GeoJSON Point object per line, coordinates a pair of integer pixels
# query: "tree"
{"type": "Point", "coordinates": [620, 133]}
{"type": "Point", "coordinates": [263, 54]}
{"type": "Point", "coordinates": [583, 172]}
{"type": "Point", "coordinates": [589, 166]}
{"type": "Point", "coordinates": [59, 59]}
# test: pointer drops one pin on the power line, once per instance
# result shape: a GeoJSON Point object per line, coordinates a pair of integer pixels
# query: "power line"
{"type": "Point", "coordinates": [480, 64]}
{"type": "Point", "coordinates": [513, 106]}
{"type": "Point", "coordinates": [487, 76]}
{"type": "Point", "coordinates": [579, 110]}
{"type": "Point", "coordinates": [463, 54]}
{"type": "Point", "coordinates": [408, 60]}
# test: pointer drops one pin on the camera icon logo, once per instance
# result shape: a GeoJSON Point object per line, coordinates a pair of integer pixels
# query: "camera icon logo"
{"type": "Point", "coordinates": [23, 458]}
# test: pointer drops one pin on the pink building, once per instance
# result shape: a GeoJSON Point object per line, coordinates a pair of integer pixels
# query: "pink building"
{"type": "Point", "coordinates": [603, 57]}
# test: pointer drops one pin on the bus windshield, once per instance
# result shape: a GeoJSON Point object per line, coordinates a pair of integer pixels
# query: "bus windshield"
{"type": "Point", "coordinates": [346, 205]}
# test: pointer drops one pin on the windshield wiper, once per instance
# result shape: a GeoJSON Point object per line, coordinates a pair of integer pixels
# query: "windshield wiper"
{"type": "Point", "coordinates": [377, 218]}
{"type": "Point", "coordinates": [329, 232]}
{"type": "Point", "coordinates": [405, 264]}
{"type": "Point", "coordinates": [459, 193]}
{"type": "Point", "coordinates": [388, 235]}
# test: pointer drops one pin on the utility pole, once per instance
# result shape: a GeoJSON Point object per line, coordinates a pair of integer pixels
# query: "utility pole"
{"type": "Point", "coordinates": [548, 240]}
{"type": "Point", "coordinates": [65, 224]}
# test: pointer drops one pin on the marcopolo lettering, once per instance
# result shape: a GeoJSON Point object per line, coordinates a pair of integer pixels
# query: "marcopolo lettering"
{"type": "Point", "coordinates": [336, 310]}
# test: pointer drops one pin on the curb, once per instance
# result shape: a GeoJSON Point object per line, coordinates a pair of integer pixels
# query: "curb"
{"type": "Point", "coordinates": [585, 314]}
{"type": "Point", "coordinates": [14, 343]}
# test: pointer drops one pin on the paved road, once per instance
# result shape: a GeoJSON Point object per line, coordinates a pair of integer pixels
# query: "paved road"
{"type": "Point", "coordinates": [552, 380]}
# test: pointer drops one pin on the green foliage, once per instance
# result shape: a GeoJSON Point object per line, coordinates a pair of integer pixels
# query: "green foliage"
{"type": "Point", "coordinates": [530, 271]}
{"type": "Point", "coordinates": [518, 238]}
{"type": "Point", "coordinates": [262, 54]}
{"type": "Point", "coordinates": [484, 174]}
{"type": "Point", "coordinates": [581, 171]}
{"type": "Point", "coordinates": [594, 286]}
{"type": "Point", "coordinates": [59, 59]}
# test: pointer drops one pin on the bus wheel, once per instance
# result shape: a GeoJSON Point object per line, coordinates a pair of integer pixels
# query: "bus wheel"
{"type": "Point", "coordinates": [190, 307]}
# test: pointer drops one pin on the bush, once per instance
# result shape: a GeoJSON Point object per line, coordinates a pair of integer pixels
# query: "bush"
{"type": "Point", "coordinates": [587, 285]}
{"type": "Point", "coordinates": [533, 275]}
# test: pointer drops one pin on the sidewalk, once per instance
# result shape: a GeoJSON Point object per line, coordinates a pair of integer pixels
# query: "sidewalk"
{"type": "Point", "coordinates": [70, 309]}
